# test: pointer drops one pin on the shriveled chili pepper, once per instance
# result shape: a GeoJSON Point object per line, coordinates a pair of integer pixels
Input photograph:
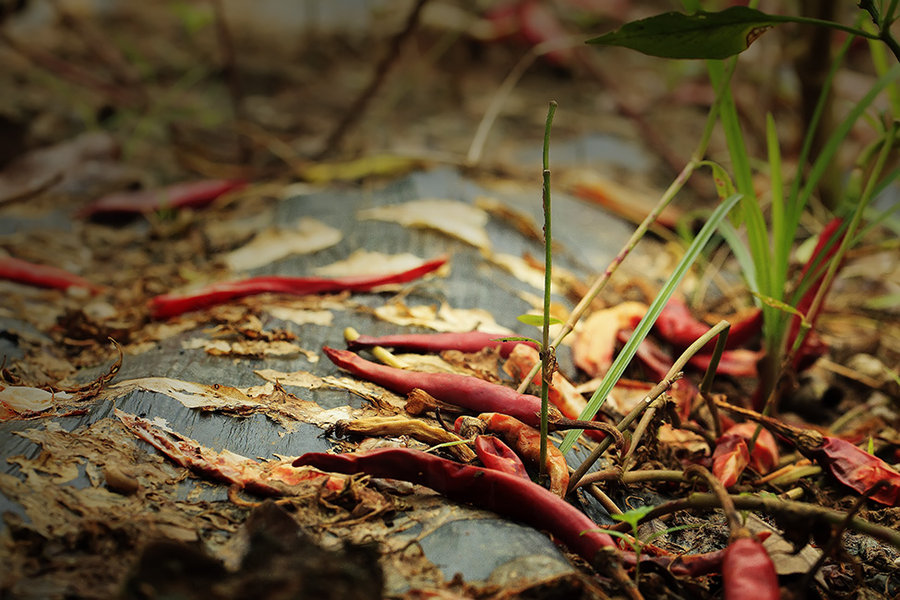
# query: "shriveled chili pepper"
{"type": "Point", "coordinates": [527, 442]}
{"type": "Point", "coordinates": [466, 391]}
{"type": "Point", "coordinates": [494, 454]}
{"type": "Point", "coordinates": [193, 194]}
{"type": "Point", "coordinates": [500, 492]}
{"type": "Point", "coordinates": [732, 454]}
{"type": "Point", "coordinates": [850, 465]}
{"type": "Point", "coordinates": [29, 273]}
{"type": "Point", "coordinates": [169, 305]}
{"type": "Point", "coordinates": [470, 341]}
{"type": "Point", "coordinates": [730, 458]}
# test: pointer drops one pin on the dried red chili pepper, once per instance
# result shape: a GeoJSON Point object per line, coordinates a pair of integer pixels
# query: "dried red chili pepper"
{"type": "Point", "coordinates": [500, 492]}
{"type": "Point", "coordinates": [527, 442]}
{"type": "Point", "coordinates": [465, 391]}
{"type": "Point", "coordinates": [821, 256]}
{"type": "Point", "coordinates": [748, 572]}
{"type": "Point", "coordinates": [730, 458]}
{"type": "Point", "coordinates": [169, 305]}
{"type": "Point", "coordinates": [850, 465]}
{"type": "Point", "coordinates": [494, 454]}
{"type": "Point", "coordinates": [732, 454]}
{"type": "Point", "coordinates": [470, 341]}
{"type": "Point", "coordinates": [22, 271]}
{"type": "Point", "coordinates": [677, 325]}
{"type": "Point", "coordinates": [181, 195]}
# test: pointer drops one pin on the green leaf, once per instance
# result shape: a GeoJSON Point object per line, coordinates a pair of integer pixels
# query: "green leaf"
{"type": "Point", "coordinates": [633, 516]}
{"type": "Point", "coordinates": [700, 35]}
{"type": "Point", "coordinates": [537, 320]}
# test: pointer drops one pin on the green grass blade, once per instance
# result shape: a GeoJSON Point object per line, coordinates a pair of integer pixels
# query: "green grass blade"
{"type": "Point", "coordinates": [741, 254]}
{"type": "Point", "coordinates": [643, 328]}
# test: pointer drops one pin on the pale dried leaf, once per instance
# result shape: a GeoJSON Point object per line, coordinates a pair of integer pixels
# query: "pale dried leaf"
{"type": "Point", "coordinates": [444, 318]}
{"type": "Point", "coordinates": [457, 219]}
{"type": "Point", "coordinates": [309, 235]}
{"type": "Point", "coordinates": [365, 262]}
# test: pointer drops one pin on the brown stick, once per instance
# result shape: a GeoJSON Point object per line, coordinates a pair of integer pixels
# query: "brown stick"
{"type": "Point", "coordinates": [356, 110]}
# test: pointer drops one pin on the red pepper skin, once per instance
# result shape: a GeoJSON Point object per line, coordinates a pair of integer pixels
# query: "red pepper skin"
{"type": "Point", "coordinates": [494, 454]}
{"type": "Point", "coordinates": [857, 469]}
{"type": "Point", "coordinates": [502, 493]}
{"type": "Point", "coordinates": [748, 572]}
{"type": "Point", "coordinates": [181, 195]}
{"type": "Point", "coordinates": [527, 442]}
{"type": "Point", "coordinates": [22, 271]}
{"type": "Point", "coordinates": [471, 341]}
{"type": "Point", "coordinates": [465, 391]}
{"type": "Point", "coordinates": [170, 305]}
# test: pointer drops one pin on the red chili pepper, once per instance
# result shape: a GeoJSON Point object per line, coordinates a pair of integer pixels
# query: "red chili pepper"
{"type": "Point", "coordinates": [169, 305]}
{"type": "Point", "coordinates": [494, 454]}
{"type": "Point", "coordinates": [730, 459]}
{"type": "Point", "coordinates": [680, 565]}
{"type": "Point", "coordinates": [527, 442]}
{"type": "Point", "coordinates": [22, 271]}
{"type": "Point", "coordinates": [748, 572]}
{"type": "Point", "coordinates": [737, 363]}
{"type": "Point", "coordinates": [850, 465]}
{"type": "Point", "coordinates": [500, 492]}
{"type": "Point", "coordinates": [181, 195]}
{"type": "Point", "coordinates": [764, 456]}
{"type": "Point", "coordinates": [471, 341]}
{"type": "Point", "coordinates": [465, 391]}
{"type": "Point", "coordinates": [676, 324]}
{"type": "Point", "coordinates": [820, 257]}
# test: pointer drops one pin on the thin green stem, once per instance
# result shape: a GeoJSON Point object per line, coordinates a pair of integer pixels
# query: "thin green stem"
{"type": "Point", "coordinates": [667, 197]}
{"type": "Point", "coordinates": [546, 349]}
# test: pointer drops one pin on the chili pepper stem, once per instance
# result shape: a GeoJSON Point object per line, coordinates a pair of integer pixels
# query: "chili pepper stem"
{"type": "Point", "coordinates": [546, 349]}
{"type": "Point", "coordinates": [382, 354]}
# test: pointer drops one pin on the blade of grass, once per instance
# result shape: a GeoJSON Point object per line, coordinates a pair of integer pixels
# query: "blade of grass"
{"type": "Point", "coordinates": [643, 328]}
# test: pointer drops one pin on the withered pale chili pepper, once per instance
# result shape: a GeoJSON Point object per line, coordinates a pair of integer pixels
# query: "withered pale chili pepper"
{"type": "Point", "coordinates": [46, 276]}
{"type": "Point", "coordinates": [169, 305]}
{"type": "Point", "coordinates": [470, 341]}
{"type": "Point", "coordinates": [500, 492]}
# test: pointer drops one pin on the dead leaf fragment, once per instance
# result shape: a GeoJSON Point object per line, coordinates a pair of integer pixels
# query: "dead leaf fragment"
{"type": "Point", "coordinates": [445, 318]}
{"type": "Point", "coordinates": [307, 236]}
{"type": "Point", "coordinates": [452, 217]}
{"type": "Point", "coordinates": [593, 348]}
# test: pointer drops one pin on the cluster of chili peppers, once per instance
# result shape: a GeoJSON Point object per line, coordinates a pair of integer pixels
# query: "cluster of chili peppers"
{"type": "Point", "coordinates": [852, 466]}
